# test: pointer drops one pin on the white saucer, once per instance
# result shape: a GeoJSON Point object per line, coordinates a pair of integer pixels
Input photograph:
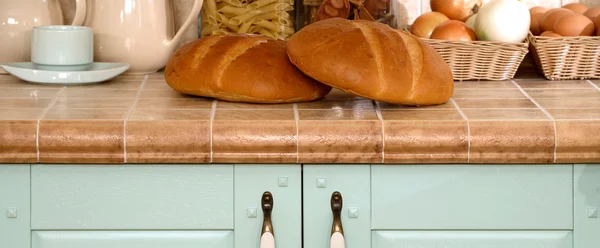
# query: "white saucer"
{"type": "Point", "coordinates": [98, 72]}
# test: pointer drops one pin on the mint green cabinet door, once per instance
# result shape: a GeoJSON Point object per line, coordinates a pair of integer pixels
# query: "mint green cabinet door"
{"type": "Point", "coordinates": [353, 182]}
{"type": "Point", "coordinates": [14, 206]}
{"type": "Point", "coordinates": [141, 196]}
{"type": "Point", "coordinates": [132, 239]}
{"type": "Point", "coordinates": [509, 196]}
{"type": "Point", "coordinates": [475, 239]}
{"type": "Point", "coordinates": [284, 182]}
{"type": "Point", "coordinates": [587, 205]}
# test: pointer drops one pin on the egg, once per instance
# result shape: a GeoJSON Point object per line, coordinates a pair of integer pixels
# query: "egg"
{"type": "Point", "coordinates": [576, 7]}
{"type": "Point", "coordinates": [550, 34]}
{"type": "Point", "coordinates": [534, 25]}
{"type": "Point", "coordinates": [592, 12]}
{"type": "Point", "coordinates": [547, 21]}
{"type": "Point", "coordinates": [537, 9]}
{"type": "Point", "coordinates": [574, 25]}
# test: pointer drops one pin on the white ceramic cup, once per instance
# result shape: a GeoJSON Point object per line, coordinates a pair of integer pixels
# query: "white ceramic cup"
{"type": "Point", "coordinates": [62, 47]}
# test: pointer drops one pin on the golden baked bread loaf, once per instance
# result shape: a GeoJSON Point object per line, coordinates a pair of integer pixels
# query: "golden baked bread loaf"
{"type": "Point", "coordinates": [240, 68]}
{"type": "Point", "coordinates": [372, 60]}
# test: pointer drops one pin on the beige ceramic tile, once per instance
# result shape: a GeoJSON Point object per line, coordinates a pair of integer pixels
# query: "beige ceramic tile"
{"type": "Point", "coordinates": [159, 84]}
{"type": "Point", "coordinates": [9, 82]}
{"type": "Point", "coordinates": [577, 141]}
{"type": "Point", "coordinates": [337, 115]}
{"type": "Point", "coordinates": [388, 106]}
{"type": "Point", "coordinates": [505, 114]}
{"type": "Point", "coordinates": [413, 142]}
{"type": "Point", "coordinates": [563, 93]}
{"type": "Point", "coordinates": [252, 106]}
{"type": "Point", "coordinates": [596, 82]}
{"type": "Point", "coordinates": [254, 141]}
{"type": "Point", "coordinates": [350, 104]}
{"type": "Point", "coordinates": [168, 141]}
{"type": "Point", "coordinates": [562, 84]}
{"type": "Point", "coordinates": [494, 103]}
{"type": "Point", "coordinates": [85, 114]}
{"type": "Point", "coordinates": [174, 103]}
{"type": "Point", "coordinates": [21, 114]}
{"type": "Point", "coordinates": [79, 92]}
{"type": "Point", "coordinates": [125, 84]}
{"type": "Point", "coordinates": [254, 115]}
{"type": "Point", "coordinates": [572, 103]}
{"type": "Point", "coordinates": [18, 141]}
{"type": "Point", "coordinates": [340, 141]}
{"type": "Point", "coordinates": [488, 93]}
{"type": "Point", "coordinates": [88, 141]}
{"type": "Point", "coordinates": [24, 102]}
{"type": "Point", "coordinates": [165, 93]}
{"type": "Point", "coordinates": [512, 141]}
{"type": "Point", "coordinates": [581, 114]}
{"type": "Point", "coordinates": [484, 85]}
{"type": "Point", "coordinates": [28, 93]}
{"type": "Point", "coordinates": [170, 114]}
{"type": "Point", "coordinates": [414, 115]}
{"type": "Point", "coordinates": [93, 103]}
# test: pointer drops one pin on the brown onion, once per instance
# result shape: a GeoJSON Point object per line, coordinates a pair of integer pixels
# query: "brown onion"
{"type": "Point", "coordinates": [424, 25]}
{"type": "Point", "coordinates": [453, 30]}
{"type": "Point", "coordinates": [459, 10]}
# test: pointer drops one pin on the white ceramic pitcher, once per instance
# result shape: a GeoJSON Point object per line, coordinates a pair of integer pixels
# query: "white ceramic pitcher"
{"type": "Point", "coordinates": [138, 32]}
{"type": "Point", "coordinates": [17, 19]}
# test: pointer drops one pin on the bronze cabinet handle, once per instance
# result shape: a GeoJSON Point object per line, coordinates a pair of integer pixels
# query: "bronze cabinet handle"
{"type": "Point", "coordinates": [337, 230]}
{"type": "Point", "coordinates": [267, 236]}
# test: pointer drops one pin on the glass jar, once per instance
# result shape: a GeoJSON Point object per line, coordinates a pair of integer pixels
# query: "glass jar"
{"type": "Point", "coordinates": [378, 10]}
{"type": "Point", "coordinates": [272, 18]}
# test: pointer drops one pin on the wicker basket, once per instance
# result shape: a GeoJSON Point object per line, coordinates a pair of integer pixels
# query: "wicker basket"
{"type": "Point", "coordinates": [481, 60]}
{"type": "Point", "coordinates": [566, 57]}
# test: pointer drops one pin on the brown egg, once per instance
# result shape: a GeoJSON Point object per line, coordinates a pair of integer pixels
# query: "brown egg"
{"type": "Point", "coordinates": [596, 21]}
{"type": "Point", "coordinates": [534, 25]}
{"type": "Point", "coordinates": [592, 12]}
{"type": "Point", "coordinates": [576, 7]}
{"type": "Point", "coordinates": [547, 21]}
{"type": "Point", "coordinates": [537, 9]}
{"type": "Point", "coordinates": [574, 25]}
{"type": "Point", "coordinates": [453, 30]}
{"type": "Point", "coordinates": [550, 34]}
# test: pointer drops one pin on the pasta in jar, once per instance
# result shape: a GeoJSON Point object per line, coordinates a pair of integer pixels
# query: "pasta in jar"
{"type": "Point", "coordinates": [272, 18]}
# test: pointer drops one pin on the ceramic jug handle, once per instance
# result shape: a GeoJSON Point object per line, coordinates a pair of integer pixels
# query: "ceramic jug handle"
{"type": "Point", "coordinates": [191, 18]}
{"type": "Point", "coordinates": [80, 11]}
{"type": "Point", "coordinates": [337, 231]}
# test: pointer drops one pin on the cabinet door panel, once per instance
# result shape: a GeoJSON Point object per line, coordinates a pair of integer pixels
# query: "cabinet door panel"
{"type": "Point", "coordinates": [353, 182]}
{"type": "Point", "coordinates": [284, 183]}
{"type": "Point", "coordinates": [461, 239]}
{"type": "Point", "coordinates": [132, 197]}
{"type": "Point", "coordinates": [587, 205]}
{"type": "Point", "coordinates": [132, 239]}
{"type": "Point", "coordinates": [472, 197]}
{"type": "Point", "coordinates": [14, 206]}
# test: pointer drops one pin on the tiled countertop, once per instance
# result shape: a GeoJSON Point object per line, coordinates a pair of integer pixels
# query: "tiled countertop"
{"type": "Point", "coordinates": [137, 119]}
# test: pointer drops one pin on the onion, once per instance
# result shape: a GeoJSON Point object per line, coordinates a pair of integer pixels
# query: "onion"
{"type": "Point", "coordinates": [456, 9]}
{"type": "Point", "coordinates": [424, 24]}
{"type": "Point", "coordinates": [503, 20]}
{"type": "Point", "coordinates": [453, 30]}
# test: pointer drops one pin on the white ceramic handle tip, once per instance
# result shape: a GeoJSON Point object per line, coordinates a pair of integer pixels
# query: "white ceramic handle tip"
{"type": "Point", "coordinates": [267, 240]}
{"type": "Point", "coordinates": [337, 241]}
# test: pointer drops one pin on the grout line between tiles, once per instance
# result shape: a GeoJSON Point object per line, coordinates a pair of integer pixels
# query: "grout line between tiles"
{"type": "Point", "coordinates": [212, 120]}
{"type": "Point", "coordinates": [128, 114]}
{"type": "Point", "coordinates": [297, 118]}
{"type": "Point", "coordinates": [380, 117]}
{"type": "Point", "coordinates": [464, 116]}
{"type": "Point", "coordinates": [593, 85]}
{"type": "Point", "coordinates": [543, 110]}
{"type": "Point", "coordinates": [42, 115]}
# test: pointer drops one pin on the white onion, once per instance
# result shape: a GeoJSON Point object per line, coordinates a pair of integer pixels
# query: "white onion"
{"type": "Point", "coordinates": [503, 20]}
